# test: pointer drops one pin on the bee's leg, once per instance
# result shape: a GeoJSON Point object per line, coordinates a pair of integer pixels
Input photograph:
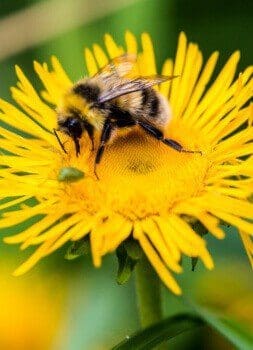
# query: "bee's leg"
{"type": "Point", "coordinates": [175, 145]}
{"type": "Point", "coordinates": [77, 145]}
{"type": "Point", "coordinates": [153, 131]}
{"type": "Point", "coordinates": [60, 143]}
{"type": "Point", "coordinates": [90, 131]}
{"type": "Point", "coordinates": [105, 137]}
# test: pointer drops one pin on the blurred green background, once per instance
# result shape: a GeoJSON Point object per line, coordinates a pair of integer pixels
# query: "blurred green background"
{"type": "Point", "coordinates": [70, 305]}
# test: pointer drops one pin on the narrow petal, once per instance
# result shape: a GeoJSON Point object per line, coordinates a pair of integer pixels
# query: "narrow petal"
{"type": "Point", "coordinates": [34, 258]}
{"type": "Point", "coordinates": [118, 229]}
{"type": "Point", "coordinates": [131, 43]}
{"type": "Point", "coordinates": [60, 72]}
{"type": "Point", "coordinates": [158, 265]}
{"type": "Point", "coordinates": [215, 94]}
{"type": "Point", "coordinates": [90, 62]}
{"type": "Point", "coordinates": [163, 225]}
{"type": "Point", "coordinates": [100, 56]}
{"type": "Point", "coordinates": [192, 63]}
{"type": "Point", "coordinates": [67, 236]}
{"type": "Point", "coordinates": [248, 245]}
{"type": "Point", "coordinates": [148, 55]}
{"type": "Point", "coordinates": [178, 68]}
{"type": "Point", "coordinates": [152, 231]}
{"type": "Point", "coordinates": [112, 48]}
{"type": "Point", "coordinates": [167, 69]}
{"type": "Point", "coordinates": [201, 84]}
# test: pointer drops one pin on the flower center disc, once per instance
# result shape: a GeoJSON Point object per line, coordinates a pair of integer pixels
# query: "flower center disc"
{"type": "Point", "coordinates": [140, 174]}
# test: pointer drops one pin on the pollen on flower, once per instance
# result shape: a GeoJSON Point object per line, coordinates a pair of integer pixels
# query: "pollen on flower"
{"type": "Point", "coordinates": [144, 188]}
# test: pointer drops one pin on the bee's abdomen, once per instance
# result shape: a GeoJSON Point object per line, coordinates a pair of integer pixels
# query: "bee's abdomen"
{"type": "Point", "coordinates": [150, 102]}
{"type": "Point", "coordinates": [89, 92]}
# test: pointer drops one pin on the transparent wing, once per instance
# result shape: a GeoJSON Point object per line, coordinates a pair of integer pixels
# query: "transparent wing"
{"type": "Point", "coordinates": [116, 68]}
{"type": "Point", "coordinates": [126, 86]}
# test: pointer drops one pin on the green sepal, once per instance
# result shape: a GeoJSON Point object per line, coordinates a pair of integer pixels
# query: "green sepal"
{"type": "Point", "coordinates": [224, 223]}
{"type": "Point", "coordinates": [133, 249]}
{"type": "Point", "coordinates": [78, 248]}
{"type": "Point", "coordinates": [70, 174]}
{"type": "Point", "coordinates": [128, 255]}
{"type": "Point", "coordinates": [194, 261]}
{"type": "Point", "coordinates": [125, 265]}
{"type": "Point", "coordinates": [200, 229]}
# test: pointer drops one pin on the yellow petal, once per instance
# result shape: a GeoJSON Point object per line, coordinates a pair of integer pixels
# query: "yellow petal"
{"type": "Point", "coordinates": [90, 62]}
{"type": "Point", "coordinates": [248, 245]}
{"type": "Point", "coordinates": [158, 265]}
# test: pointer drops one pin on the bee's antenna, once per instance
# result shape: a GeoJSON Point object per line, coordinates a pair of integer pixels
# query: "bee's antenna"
{"type": "Point", "coordinates": [60, 143]}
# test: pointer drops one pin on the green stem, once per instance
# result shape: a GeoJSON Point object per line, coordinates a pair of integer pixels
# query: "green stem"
{"type": "Point", "coordinates": [148, 289]}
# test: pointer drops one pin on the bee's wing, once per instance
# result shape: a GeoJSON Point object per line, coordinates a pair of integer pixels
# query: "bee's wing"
{"type": "Point", "coordinates": [117, 68]}
{"type": "Point", "coordinates": [126, 86]}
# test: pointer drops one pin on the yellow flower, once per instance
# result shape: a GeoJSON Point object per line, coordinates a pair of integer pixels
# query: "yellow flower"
{"type": "Point", "coordinates": [31, 318]}
{"type": "Point", "coordinates": [145, 188]}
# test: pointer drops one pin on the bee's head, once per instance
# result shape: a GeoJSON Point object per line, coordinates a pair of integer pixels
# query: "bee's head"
{"type": "Point", "coordinates": [73, 117]}
{"type": "Point", "coordinates": [72, 125]}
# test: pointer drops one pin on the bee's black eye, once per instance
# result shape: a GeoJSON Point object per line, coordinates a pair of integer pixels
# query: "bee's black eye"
{"type": "Point", "coordinates": [74, 127]}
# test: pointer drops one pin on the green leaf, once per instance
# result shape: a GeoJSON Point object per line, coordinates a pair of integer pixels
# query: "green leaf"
{"type": "Point", "coordinates": [78, 248]}
{"type": "Point", "coordinates": [70, 174]}
{"type": "Point", "coordinates": [160, 332]}
{"type": "Point", "coordinates": [230, 329]}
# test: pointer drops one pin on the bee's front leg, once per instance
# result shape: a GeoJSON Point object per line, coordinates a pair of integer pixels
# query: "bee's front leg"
{"type": "Point", "coordinates": [77, 145]}
{"type": "Point", "coordinates": [90, 131]}
{"type": "Point", "coordinates": [104, 138]}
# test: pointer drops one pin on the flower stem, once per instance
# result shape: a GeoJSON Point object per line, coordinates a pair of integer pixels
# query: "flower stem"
{"type": "Point", "coordinates": [148, 290]}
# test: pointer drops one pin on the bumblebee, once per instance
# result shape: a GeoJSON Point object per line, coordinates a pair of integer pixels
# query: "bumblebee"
{"type": "Point", "coordinates": [110, 101]}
